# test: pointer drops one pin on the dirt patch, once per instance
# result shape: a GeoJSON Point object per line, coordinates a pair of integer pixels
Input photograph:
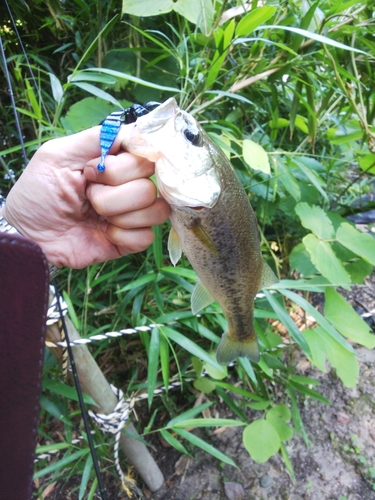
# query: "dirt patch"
{"type": "Point", "coordinates": [339, 463]}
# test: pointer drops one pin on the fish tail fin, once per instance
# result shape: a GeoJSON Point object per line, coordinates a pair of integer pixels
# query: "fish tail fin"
{"type": "Point", "coordinates": [230, 349]}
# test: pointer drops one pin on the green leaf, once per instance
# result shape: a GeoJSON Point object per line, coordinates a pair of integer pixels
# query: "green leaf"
{"type": "Point", "coordinates": [315, 219]}
{"type": "Point", "coordinates": [196, 441]}
{"type": "Point", "coordinates": [188, 414]}
{"type": "Point", "coordinates": [313, 36]}
{"type": "Point", "coordinates": [88, 112]}
{"type": "Point", "coordinates": [367, 163]}
{"type": "Point", "coordinates": [208, 422]}
{"type": "Point", "coordinates": [213, 371]}
{"type": "Point", "coordinates": [344, 362]}
{"type": "Point", "coordinates": [323, 322]}
{"type": "Point", "coordinates": [300, 260]}
{"type": "Point", "coordinates": [189, 346]}
{"type": "Point", "coordinates": [173, 442]}
{"type": "Point", "coordinates": [288, 180]}
{"type": "Point", "coordinates": [199, 12]}
{"type": "Point", "coordinates": [153, 363]}
{"type": "Point", "coordinates": [141, 281]}
{"type": "Point", "coordinates": [253, 19]}
{"type": "Point", "coordinates": [361, 244]}
{"type": "Point", "coordinates": [98, 93]}
{"type": "Point", "coordinates": [326, 262]}
{"type": "Point", "coordinates": [57, 466]}
{"type": "Point", "coordinates": [261, 440]}
{"type": "Point", "coordinates": [85, 477]}
{"type": "Point", "coordinates": [204, 385]}
{"type": "Point", "coordinates": [278, 416]}
{"type": "Point", "coordinates": [255, 156]}
{"type": "Point", "coordinates": [181, 271]}
{"type": "Point", "coordinates": [288, 322]}
{"type": "Point", "coordinates": [346, 320]}
{"type": "Point", "coordinates": [131, 78]}
{"type": "Point", "coordinates": [57, 89]}
{"type": "Point", "coordinates": [65, 390]}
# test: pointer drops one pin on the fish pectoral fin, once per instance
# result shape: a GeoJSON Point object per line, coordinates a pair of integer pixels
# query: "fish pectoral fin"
{"type": "Point", "coordinates": [200, 298]}
{"type": "Point", "coordinates": [174, 246]}
{"type": "Point", "coordinates": [201, 234]}
{"type": "Point", "coordinates": [230, 349]}
{"type": "Point", "coordinates": [268, 276]}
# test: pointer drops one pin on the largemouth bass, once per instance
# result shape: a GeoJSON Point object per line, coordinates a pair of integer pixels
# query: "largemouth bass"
{"type": "Point", "coordinates": [212, 221]}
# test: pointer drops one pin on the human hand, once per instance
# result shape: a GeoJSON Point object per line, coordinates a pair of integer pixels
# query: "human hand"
{"type": "Point", "coordinates": [78, 215]}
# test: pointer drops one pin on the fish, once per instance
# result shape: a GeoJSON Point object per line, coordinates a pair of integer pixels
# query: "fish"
{"type": "Point", "coordinates": [212, 221]}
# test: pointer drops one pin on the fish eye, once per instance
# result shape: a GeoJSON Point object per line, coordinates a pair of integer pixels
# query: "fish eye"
{"type": "Point", "coordinates": [193, 137]}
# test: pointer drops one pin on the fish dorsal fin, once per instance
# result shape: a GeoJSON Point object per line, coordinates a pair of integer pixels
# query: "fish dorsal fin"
{"type": "Point", "coordinates": [174, 246]}
{"type": "Point", "coordinates": [268, 276]}
{"type": "Point", "coordinates": [200, 298]}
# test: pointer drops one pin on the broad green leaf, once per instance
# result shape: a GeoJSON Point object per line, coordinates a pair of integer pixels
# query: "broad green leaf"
{"type": "Point", "coordinates": [144, 8]}
{"type": "Point", "coordinates": [288, 322]}
{"type": "Point", "coordinates": [367, 163]}
{"type": "Point", "coordinates": [199, 12]}
{"type": "Point", "coordinates": [341, 314]}
{"type": "Point", "coordinates": [196, 441]}
{"type": "Point", "coordinates": [279, 123]}
{"type": "Point", "coordinates": [204, 385]}
{"type": "Point", "coordinates": [261, 440]}
{"type": "Point", "coordinates": [278, 416]}
{"type": "Point", "coordinates": [253, 19]}
{"type": "Point", "coordinates": [213, 371]}
{"type": "Point", "coordinates": [344, 362]}
{"type": "Point", "coordinates": [288, 180]}
{"type": "Point", "coordinates": [88, 112]}
{"type": "Point", "coordinates": [300, 260]}
{"type": "Point", "coordinates": [323, 322]}
{"type": "Point", "coordinates": [255, 156]}
{"type": "Point", "coordinates": [311, 175]}
{"type": "Point", "coordinates": [324, 259]}
{"type": "Point", "coordinates": [313, 36]}
{"type": "Point", "coordinates": [300, 122]}
{"type": "Point", "coordinates": [57, 89]}
{"type": "Point", "coordinates": [315, 219]}
{"type": "Point", "coordinates": [361, 244]}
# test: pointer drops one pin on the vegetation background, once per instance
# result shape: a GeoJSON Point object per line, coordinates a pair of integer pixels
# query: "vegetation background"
{"type": "Point", "coordinates": [287, 90]}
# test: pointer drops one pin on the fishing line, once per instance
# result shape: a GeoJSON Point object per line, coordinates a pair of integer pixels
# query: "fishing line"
{"type": "Point", "coordinates": [28, 62]}
{"type": "Point", "coordinates": [80, 397]}
{"type": "Point", "coordinates": [11, 95]}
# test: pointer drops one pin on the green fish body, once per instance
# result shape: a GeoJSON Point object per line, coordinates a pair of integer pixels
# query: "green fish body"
{"type": "Point", "coordinates": [212, 221]}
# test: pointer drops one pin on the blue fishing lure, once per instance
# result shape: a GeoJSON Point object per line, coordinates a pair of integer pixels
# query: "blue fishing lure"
{"type": "Point", "coordinates": [111, 126]}
{"type": "Point", "coordinates": [108, 133]}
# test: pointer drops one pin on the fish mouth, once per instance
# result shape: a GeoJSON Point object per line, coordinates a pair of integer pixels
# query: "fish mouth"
{"type": "Point", "coordinates": [158, 117]}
